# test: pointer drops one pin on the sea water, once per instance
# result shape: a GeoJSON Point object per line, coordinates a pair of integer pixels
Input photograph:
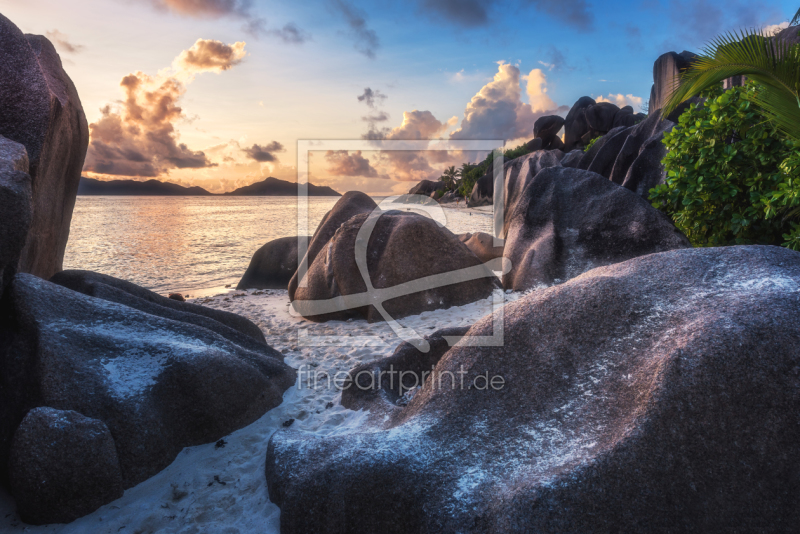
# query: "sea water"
{"type": "Point", "coordinates": [197, 245]}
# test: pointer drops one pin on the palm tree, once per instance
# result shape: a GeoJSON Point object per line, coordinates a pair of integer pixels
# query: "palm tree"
{"type": "Point", "coordinates": [449, 176]}
{"type": "Point", "coordinates": [773, 64]}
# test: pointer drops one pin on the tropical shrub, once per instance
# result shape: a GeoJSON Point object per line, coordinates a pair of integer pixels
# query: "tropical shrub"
{"type": "Point", "coordinates": [732, 176]}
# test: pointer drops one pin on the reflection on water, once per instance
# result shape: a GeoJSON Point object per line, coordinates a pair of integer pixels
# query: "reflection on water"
{"type": "Point", "coordinates": [193, 244]}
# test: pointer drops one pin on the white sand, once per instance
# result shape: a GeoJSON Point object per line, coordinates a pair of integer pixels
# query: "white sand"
{"type": "Point", "coordinates": [209, 489]}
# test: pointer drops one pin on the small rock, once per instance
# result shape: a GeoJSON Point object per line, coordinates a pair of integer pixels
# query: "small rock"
{"type": "Point", "coordinates": [287, 424]}
{"type": "Point", "coordinates": [220, 444]}
{"type": "Point", "coordinates": [177, 296]}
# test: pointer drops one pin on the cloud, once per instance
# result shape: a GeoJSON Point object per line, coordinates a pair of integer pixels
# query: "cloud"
{"type": "Point", "coordinates": [623, 100]}
{"type": "Point", "coordinates": [63, 43]}
{"type": "Point", "coordinates": [291, 34]}
{"type": "Point", "coordinates": [366, 40]}
{"type": "Point", "coordinates": [380, 116]}
{"type": "Point", "coordinates": [137, 137]}
{"type": "Point", "coordinates": [537, 91]}
{"type": "Point", "coordinates": [370, 97]}
{"type": "Point", "coordinates": [241, 9]}
{"type": "Point", "coordinates": [497, 110]}
{"type": "Point", "coordinates": [467, 13]}
{"type": "Point", "coordinates": [473, 13]}
{"type": "Point", "coordinates": [207, 55]}
{"type": "Point", "coordinates": [342, 163]}
{"type": "Point", "coordinates": [695, 22]}
{"type": "Point", "coordinates": [263, 153]}
{"type": "Point", "coordinates": [772, 29]}
{"type": "Point", "coordinates": [214, 9]}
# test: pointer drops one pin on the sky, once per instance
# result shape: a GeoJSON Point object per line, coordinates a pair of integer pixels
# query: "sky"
{"type": "Point", "coordinates": [217, 93]}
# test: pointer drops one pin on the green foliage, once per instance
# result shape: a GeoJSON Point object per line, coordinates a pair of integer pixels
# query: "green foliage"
{"type": "Point", "coordinates": [470, 176]}
{"type": "Point", "coordinates": [591, 143]}
{"type": "Point", "coordinates": [449, 177]}
{"type": "Point", "coordinates": [775, 66]}
{"type": "Point", "coordinates": [732, 177]}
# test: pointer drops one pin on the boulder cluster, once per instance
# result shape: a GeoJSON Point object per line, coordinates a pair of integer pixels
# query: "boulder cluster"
{"type": "Point", "coordinates": [102, 382]}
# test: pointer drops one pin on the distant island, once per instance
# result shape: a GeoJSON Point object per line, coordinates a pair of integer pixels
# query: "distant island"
{"type": "Point", "coordinates": [269, 187]}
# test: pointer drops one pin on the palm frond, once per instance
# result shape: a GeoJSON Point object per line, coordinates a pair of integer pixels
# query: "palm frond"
{"type": "Point", "coordinates": [772, 63]}
{"type": "Point", "coordinates": [795, 19]}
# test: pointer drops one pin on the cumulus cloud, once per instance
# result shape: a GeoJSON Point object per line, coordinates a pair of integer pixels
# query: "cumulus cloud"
{"type": "Point", "coordinates": [365, 39]}
{"type": "Point", "coordinates": [772, 29]}
{"type": "Point", "coordinates": [342, 163]}
{"type": "Point", "coordinates": [63, 43]}
{"type": "Point", "coordinates": [137, 137]}
{"type": "Point", "coordinates": [207, 55]}
{"type": "Point", "coordinates": [497, 110]}
{"type": "Point", "coordinates": [371, 98]}
{"type": "Point", "coordinates": [263, 153]}
{"type": "Point", "coordinates": [623, 100]}
{"type": "Point", "coordinates": [472, 13]}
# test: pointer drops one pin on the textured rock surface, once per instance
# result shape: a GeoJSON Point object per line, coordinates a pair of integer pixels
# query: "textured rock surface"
{"type": "Point", "coordinates": [482, 245]}
{"type": "Point", "coordinates": [229, 325]}
{"type": "Point", "coordinates": [426, 187]}
{"type": "Point", "coordinates": [158, 384]}
{"type": "Point", "coordinates": [15, 207]}
{"type": "Point", "coordinates": [666, 72]}
{"type": "Point", "coordinates": [272, 266]}
{"type": "Point", "coordinates": [62, 466]}
{"type": "Point", "coordinates": [564, 222]}
{"type": "Point", "coordinates": [352, 203]}
{"type": "Point", "coordinates": [40, 109]}
{"type": "Point", "coordinates": [575, 125]}
{"type": "Point", "coordinates": [483, 191]}
{"type": "Point", "coordinates": [403, 247]}
{"type": "Point", "coordinates": [655, 395]}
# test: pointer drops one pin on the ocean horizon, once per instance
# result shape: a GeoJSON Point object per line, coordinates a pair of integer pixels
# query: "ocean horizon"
{"type": "Point", "coordinates": [197, 245]}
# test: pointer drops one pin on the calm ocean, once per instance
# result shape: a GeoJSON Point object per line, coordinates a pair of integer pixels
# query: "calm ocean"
{"type": "Point", "coordinates": [194, 245]}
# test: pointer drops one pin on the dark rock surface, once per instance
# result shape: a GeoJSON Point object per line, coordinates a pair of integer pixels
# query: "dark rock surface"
{"type": "Point", "coordinates": [600, 116]}
{"type": "Point", "coordinates": [482, 245]}
{"type": "Point", "coordinates": [376, 386]}
{"type": "Point", "coordinates": [575, 125]}
{"type": "Point", "coordinates": [272, 266]}
{"type": "Point", "coordinates": [15, 207]}
{"type": "Point", "coordinates": [40, 109]}
{"type": "Point", "coordinates": [62, 466]}
{"type": "Point", "coordinates": [403, 247]}
{"type": "Point", "coordinates": [426, 187]}
{"type": "Point", "coordinates": [572, 158]}
{"type": "Point", "coordinates": [548, 126]}
{"type": "Point", "coordinates": [158, 384]}
{"type": "Point", "coordinates": [655, 395]}
{"type": "Point", "coordinates": [565, 222]}
{"type": "Point", "coordinates": [352, 203]}
{"type": "Point", "coordinates": [229, 325]}
{"type": "Point", "coordinates": [666, 71]}
{"type": "Point", "coordinates": [482, 191]}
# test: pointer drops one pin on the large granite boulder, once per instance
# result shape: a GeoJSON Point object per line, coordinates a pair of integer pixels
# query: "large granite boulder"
{"type": "Point", "coordinates": [40, 109]}
{"type": "Point", "coordinates": [15, 207]}
{"type": "Point", "coordinates": [482, 245]}
{"type": "Point", "coordinates": [400, 251]}
{"type": "Point", "coordinates": [564, 222]}
{"type": "Point", "coordinates": [426, 187]}
{"type": "Point", "coordinates": [483, 191]}
{"type": "Point", "coordinates": [655, 395]}
{"type": "Point", "coordinates": [159, 384]}
{"type": "Point", "coordinates": [272, 266]}
{"type": "Point", "coordinates": [62, 466]}
{"type": "Point", "coordinates": [600, 116]}
{"type": "Point", "coordinates": [352, 203]}
{"type": "Point", "coordinates": [233, 327]}
{"type": "Point", "coordinates": [575, 126]}
{"type": "Point", "coordinates": [666, 73]}
{"type": "Point", "coordinates": [546, 128]}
